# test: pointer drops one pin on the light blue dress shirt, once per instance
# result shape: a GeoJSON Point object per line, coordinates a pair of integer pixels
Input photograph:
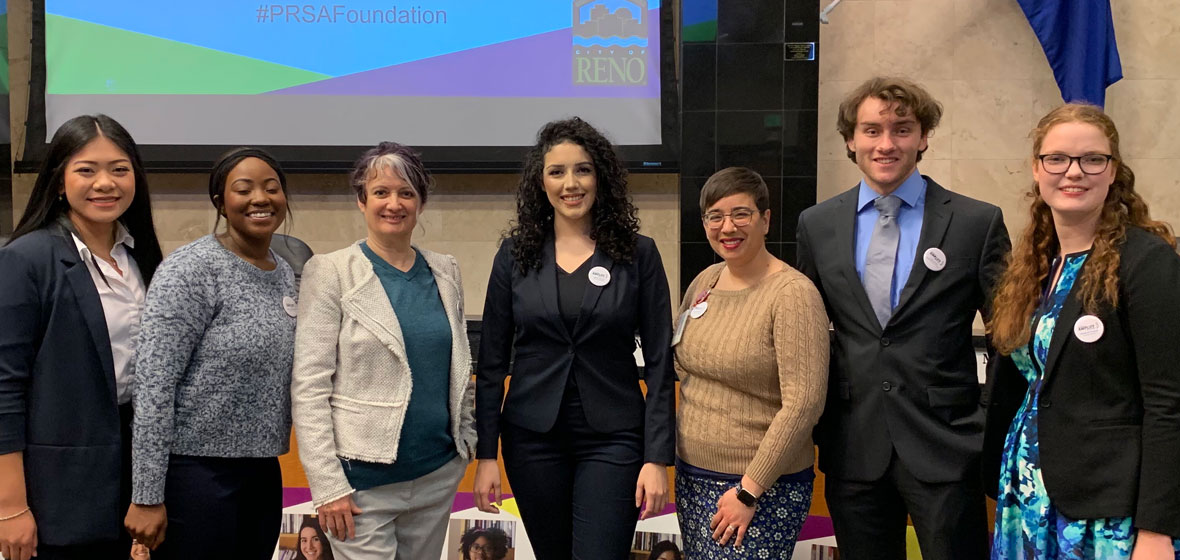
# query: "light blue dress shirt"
{"type": "Point", "coordinates": [912, 193]}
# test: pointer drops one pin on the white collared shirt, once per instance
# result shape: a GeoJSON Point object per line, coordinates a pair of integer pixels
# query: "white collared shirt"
{"type": "Point", "coordinates": [122, 298]}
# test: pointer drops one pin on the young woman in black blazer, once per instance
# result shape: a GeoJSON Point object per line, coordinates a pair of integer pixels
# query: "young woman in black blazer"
{"type": "Point", "coordinates": [1083, 428]}
{"type": "Point", "coordinates": [570, 287]}
{"type": "Point", "coordinates": [72, 285]}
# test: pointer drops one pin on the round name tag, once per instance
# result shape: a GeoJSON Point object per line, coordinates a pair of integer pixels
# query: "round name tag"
{"type": "Point", "coordinates": [1088, 328]}
{"type": "Point", "coordinates": [698, 310]}
{"type": "Point", "coordinates": [934, 259]}
{"type": "Point", "coordinates": [599, 276]}
{"type": "Point", "coordinates": [290, 306]}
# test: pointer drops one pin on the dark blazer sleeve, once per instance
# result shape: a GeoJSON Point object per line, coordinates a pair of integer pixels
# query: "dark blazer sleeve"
{"type": "Point", "coordinates": [495, 351]}
{"type": "Point", "coordinates": [655, 331]}
{"type": "Point", "coordinates": [1151, 292]}
{"type": "Point", "coordinates": [19, 336]}
{"type": "Point", "coordinates": [805, 262]}
{"type": "Point", "coordinates": [992, 261]}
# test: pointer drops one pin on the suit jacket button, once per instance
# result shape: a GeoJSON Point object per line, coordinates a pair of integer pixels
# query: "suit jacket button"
{"type": "Point", "coordinates": [886, 386]}
{"type": "Point", "coordinates": [571, 351]}
{"type": "Point", "coordinates": [1046, 403]}
{"type": "Point", "coordinates": [884, 342]}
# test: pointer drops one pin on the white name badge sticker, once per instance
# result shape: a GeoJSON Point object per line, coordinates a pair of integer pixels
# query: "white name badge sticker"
{"type": "Point", "coordinates": [290, 306]}
{"type": "Point", "coordinates": [599, 276]}
{"type": "Point", "coordinates": [934, 259]}
{"type": "Point", "coordinates": [1088, 328]}
{"type": "Point", "coordinates": [681, 322]}
{"type": "Point", "coordinates": [698, 310]}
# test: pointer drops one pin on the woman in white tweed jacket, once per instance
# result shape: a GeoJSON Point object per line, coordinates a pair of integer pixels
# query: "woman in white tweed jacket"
{"type": "Point", "coordinates": [382, 398]}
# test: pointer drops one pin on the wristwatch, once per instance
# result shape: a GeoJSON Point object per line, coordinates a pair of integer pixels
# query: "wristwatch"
{"type": "Point", "coordinates": [745, 497]}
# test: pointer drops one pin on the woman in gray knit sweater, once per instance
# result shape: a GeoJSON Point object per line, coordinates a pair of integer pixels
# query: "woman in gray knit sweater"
{"type": "Point", "coordinates": [212, 407]}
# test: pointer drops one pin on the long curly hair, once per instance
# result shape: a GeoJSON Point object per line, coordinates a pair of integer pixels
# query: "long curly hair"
{"type": "Point", "coordinates": [614, 221]}
{"type": "Point", "coordinates": [1028, 265]}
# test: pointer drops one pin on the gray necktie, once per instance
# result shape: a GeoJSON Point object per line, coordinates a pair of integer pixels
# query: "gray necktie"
{"type": "Point", "coordinates": [878, 277]}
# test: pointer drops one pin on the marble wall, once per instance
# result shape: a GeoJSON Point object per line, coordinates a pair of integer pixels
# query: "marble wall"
{"type": "Point", "coordinates": [981, 59]}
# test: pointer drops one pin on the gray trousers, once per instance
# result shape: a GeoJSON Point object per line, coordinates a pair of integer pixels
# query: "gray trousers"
{"type": "Point", "coordinates": [403, 520]}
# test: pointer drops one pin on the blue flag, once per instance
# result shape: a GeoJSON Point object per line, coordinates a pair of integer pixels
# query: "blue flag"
{"type": "Point", "coordinates": [1078, 38]}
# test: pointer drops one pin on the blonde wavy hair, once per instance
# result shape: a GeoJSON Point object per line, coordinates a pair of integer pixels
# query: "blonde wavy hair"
{"type": "Point", "coordinates": [1020, 287]}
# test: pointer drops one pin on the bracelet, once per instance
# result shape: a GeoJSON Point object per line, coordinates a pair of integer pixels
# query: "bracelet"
{"type": "Point", "coordinates": [15, 515]}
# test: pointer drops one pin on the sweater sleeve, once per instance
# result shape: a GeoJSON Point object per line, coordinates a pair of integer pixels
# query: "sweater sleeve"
{"type": "Point", "coordinates": [316, 357]}
{"type": "Point", "coordinates": [178, 309]}
{"type": "Point", "coordinates": [801, 351]}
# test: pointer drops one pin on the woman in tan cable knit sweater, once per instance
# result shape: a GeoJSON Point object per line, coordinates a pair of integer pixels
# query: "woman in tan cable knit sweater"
{"type": "Point", "coordinates": [752, 354]}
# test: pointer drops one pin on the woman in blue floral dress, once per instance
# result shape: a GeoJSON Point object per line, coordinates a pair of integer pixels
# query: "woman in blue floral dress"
{"type": "Point", "coordinates": [1083, 433]}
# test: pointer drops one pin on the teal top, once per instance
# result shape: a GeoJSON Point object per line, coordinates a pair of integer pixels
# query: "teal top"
{"type": "Point", "coordinates": [426, 442]}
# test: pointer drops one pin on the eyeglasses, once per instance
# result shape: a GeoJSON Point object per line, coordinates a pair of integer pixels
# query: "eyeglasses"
{"type": "Point", "coordinates": [480, 548]}
{"type": "Point", "coordinates": [1090, 164]}
{"type": "Point", "coordinates": [740, 217]}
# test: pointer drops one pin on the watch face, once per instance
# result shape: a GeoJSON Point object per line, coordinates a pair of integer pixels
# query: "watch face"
{"type": "Point", "coordinates": [746, 497]}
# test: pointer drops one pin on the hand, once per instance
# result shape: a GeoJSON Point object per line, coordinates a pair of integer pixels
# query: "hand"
{"type": "Point", "coordinates": [336, 517]}
{"type": "Point", "coordinates": [18, 537]}
{"type": "Point", "coordinates": [147, 524]}
{"type": "Point", "coordinates": [487, 485]}
{"type": "Point", "coordinates": [652, 489]}
{"type": "Point", "coordinates": [1153, 546]}
{"type": "Point", "coordinates": [731, 520]}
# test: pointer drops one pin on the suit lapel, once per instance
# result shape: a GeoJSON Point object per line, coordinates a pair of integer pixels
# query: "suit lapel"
{"type": "Point", "coordinates": [593, 292]}
{"type": "Point", "coordinates": [90, 305]}
{"type": "Point", "coordinates": [1070, 311]}
{"type": "Point", "coordinates": [845, 255]}
{"type": "Point", "coordinates": [448, 290]}
{"type": "Point", "coordinates": [935, 219]}
{"type": "Point", "coordinates": [369, 305]}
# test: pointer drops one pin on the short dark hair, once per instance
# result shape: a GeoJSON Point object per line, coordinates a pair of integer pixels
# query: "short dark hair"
{"type": "Point", "coordinates": [908, 96]}
{"type": "Point", "coordinates": [399, 159]}
{"type": "Point", "coordinates": [45, 207]}
{"type": "Point", "coordinates": [496, 537]}
{"type": "Point", "coordinates": [735, 180]}
{"type": "Point", "coordinates": [227, 162]}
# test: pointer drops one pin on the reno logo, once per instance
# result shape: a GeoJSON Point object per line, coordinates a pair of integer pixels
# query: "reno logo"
{"type": "Point", "coordinates": [610, 42]}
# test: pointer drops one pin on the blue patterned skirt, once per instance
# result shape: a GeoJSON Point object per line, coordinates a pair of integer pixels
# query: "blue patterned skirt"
{"type": "Point", "coordinates": [782, 509]}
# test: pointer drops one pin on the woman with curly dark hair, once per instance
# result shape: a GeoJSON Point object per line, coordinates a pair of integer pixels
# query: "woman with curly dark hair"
{"type": "Point", "coordinates": [570, 287]}
{"type": "Point", "coordinates": [488, 543]}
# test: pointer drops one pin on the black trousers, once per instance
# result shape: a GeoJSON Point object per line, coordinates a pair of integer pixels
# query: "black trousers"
{"type": "Point", "coordinates": [120, 548]}
{"type": "Point", "coordinates": [222, 508]}
{"type": "Point", "coordinates": [575, 487]}
{"type": "Point", "coordinates": [869, 518]}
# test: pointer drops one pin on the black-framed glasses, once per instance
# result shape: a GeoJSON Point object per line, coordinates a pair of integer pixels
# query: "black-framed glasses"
{"type": "Point", "coordinates": [1090, 164]}
{"type": "Point", "coordinates": [740, 217]}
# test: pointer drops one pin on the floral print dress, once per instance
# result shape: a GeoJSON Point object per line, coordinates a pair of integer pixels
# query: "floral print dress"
{"type": "Point", "coordinates": [1028, 525]}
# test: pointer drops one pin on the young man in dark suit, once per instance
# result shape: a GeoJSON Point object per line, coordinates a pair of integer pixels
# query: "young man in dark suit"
{"type": "Point", "coordinates": [903, 266]}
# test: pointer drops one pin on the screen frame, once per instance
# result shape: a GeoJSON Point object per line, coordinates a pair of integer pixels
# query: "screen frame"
{"type": "Point", "coordinates": [189, 158]}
